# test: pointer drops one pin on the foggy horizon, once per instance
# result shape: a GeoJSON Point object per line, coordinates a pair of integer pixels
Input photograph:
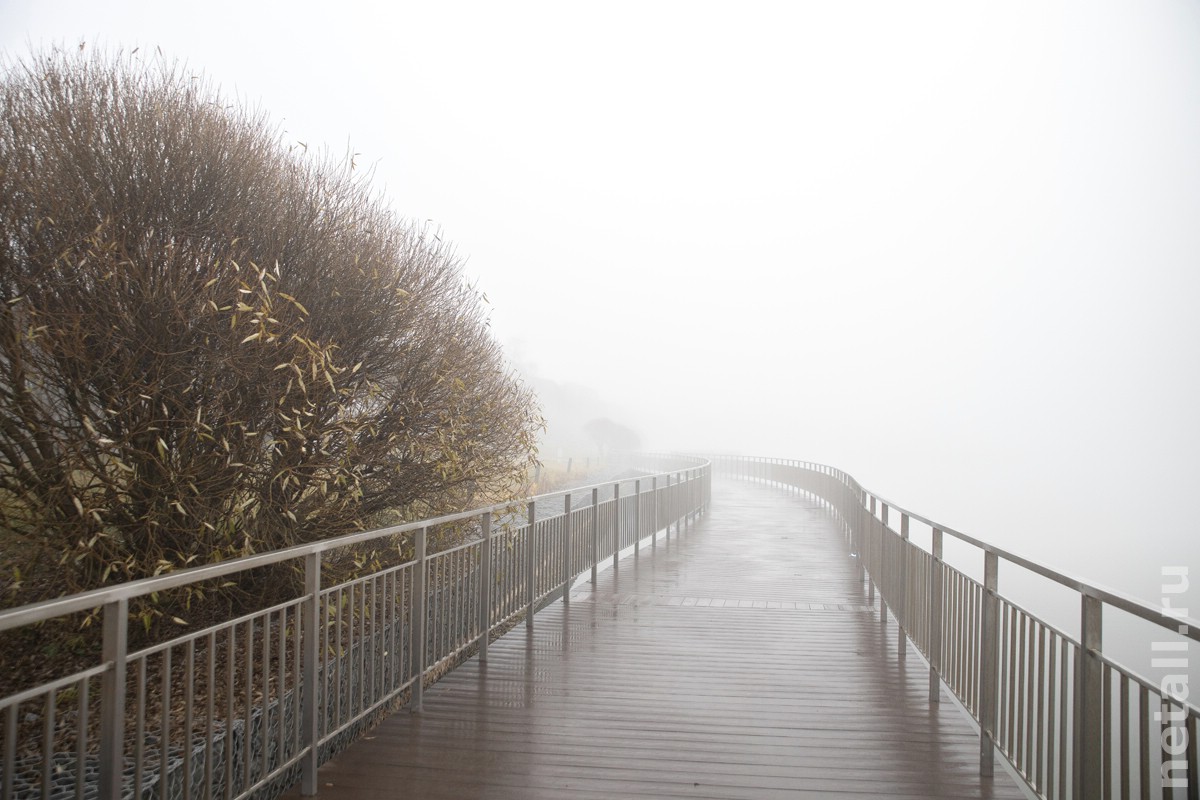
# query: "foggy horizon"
{"type": "Point", "coordinates": [948, 248]}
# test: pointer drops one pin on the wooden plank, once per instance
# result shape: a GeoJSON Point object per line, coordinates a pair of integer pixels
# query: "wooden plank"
{"type": "Point", "coordinates": [739, 660]}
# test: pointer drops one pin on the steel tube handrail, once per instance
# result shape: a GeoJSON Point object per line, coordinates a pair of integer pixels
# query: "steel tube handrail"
{"type": "Point", "coordinates": [1109, 596]}
{"type": "Point", "coordinates": [1112, 597]}
{"type": "Point", "coordinates": [95, 598]}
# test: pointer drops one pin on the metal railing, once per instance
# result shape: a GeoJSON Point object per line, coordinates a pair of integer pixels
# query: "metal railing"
{"type": "Point", "coordinates": [264, 698]}
{"type": "Point", "coordinates": [1071, 721]}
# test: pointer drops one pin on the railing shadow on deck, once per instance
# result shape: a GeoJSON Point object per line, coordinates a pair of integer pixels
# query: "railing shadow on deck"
{"type": "Point", "coordinates": [1070, 720]}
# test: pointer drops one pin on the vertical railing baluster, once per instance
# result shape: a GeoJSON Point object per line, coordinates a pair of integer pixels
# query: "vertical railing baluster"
{"type": "Point", "coordinates": [1028, 667]}
{"type": "Point", "coordinates": [1143, 744]}
{"type": "Point", "coordinates": [654, 513]}
{"type": "Point", "coordinates": [886, 569]}
{"type": "Point", "coordinates": [230, 670]}
{"type": "Point", "coordinates": [595, 532]}
{"type": "Point", "coordinates": [1038, 727]}
{"type": "Point", "coordinates": [1051, 713]}
{"type": "Point", "coordinates": [336, 654]}
{"type": "Point", "coordinates": [1007, 676]}
{"type": "Point", "coordinates": [530, 564]}
{"type": "Point", "coordinates": [1063, 726]}
{"type": "Point", "coordinates": [670, 498]}
{"type": "Point", "coordinates": [210, 688]}
{"type": "Point", "coordinates": [677, 503]}
{"type": "Point", "coordinates": [689, 486]}
{"type": "Point", "coordinates": [48, 725]}
{"type": "Point", "coordinates": [1123, 692]}
{"type": "Point", "coordinates": [112, 701]}
{"type": "Point", "coordinates": [872, 571]}
{"type": "Point", "coordinates": [1016, 653]}
{"type": "Point", "coordinates": [616, 531]}
{"type": "Point", "coordinates": [935, 620]}
{"type": "Point", "coordinates": [1193, 757]}
{"type": "Point", "coordinates": [987, 664]}
{"type": "Point", "coordinates": [372, 637]}
{"type": "Point", "coordinates": [10, 754]}
{"type": "Point", "coordinates": [566, 592]}
{"type": "Point", "coordinates": [189, 688]}
{"type": "Point", "coordinates": [264, 717]}
{"type": "Point", "coordinates": [951, 670]}
{"type": "Point", "coordinates": [358, 678]}
{"type": "Point", "coordinates": [421, 612]}
{"type": "Point", "coordinates": [486, 581]}
{"type": "Point", "coordinates": [1106, 738]}
{"type": "Point", "coordinates": [901, 610]}
{"type": "Point", "coordinates": [81, 730]}
{"type": "Point", "coordinates": [637, 517]}
{"type": "Point", "coordinates": [280, 670]}
{"type": "Point", "coordinates": [247, 715]}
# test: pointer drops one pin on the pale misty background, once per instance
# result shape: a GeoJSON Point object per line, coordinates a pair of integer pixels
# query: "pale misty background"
{"type": "Point", "coordinates": [951, 248]}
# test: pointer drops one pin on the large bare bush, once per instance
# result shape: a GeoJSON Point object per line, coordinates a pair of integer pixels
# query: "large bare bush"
{"type": "Point", "coordinates": [210, 345]}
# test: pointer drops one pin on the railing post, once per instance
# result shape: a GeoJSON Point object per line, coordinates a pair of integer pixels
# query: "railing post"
{"type": "Point", "coordinates": [486, 581]}
{"type": "Point", "coordinates": [310, 637]}
{"type": "Point", "coordinates": [872, 566]}
{"type": "Point", "coordinates": [112, 702]}
{"type": "Point", "coordinates": [670, 506]}
{"type": "Point", "coordinates": [901, 610]}
{"type": "Point", "coordinates": [420, 609]}
{"type": "Point", "coordinates": [886, 569]}
{"type": "Point", "coordinates": [637, 516]}
{"type": "Point", "coordinates": [989, 648]}
{"type": "Point", "coordinates": [595, 532]}
{"type": "Point", "coordinates": [887, 566]}
{"type": "Point", "coordinates": [688, 488]}
{"type": "Point", "coordinates": [862, 524]}
{"type": "Point", "coordinates": [867, 553]}
{"type": "Point", "coordinates": [616, 531]}
{"type": "Point", "coordinates": [1089, 702]}
{"type": "Point", "coordinates": [654, 511]}
{"type": "Point", "coordinates": [856, 532]}
{"type": "Point", "coordinates": [935, 621]}
{"type": "Point", "coordinates": [695, 495]}
{"type": "Point", "coordinates": [566, 549]}
{"type": "Point", "coordinates": [708, 479]}
{"type": "Point", "coordinates": [677, 504]}
{"type": "Point", "coordinates": [530, 564]}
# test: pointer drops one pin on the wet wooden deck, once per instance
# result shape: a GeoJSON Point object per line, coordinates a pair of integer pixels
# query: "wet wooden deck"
{"type": "Point", "coordinates": [739, 660]}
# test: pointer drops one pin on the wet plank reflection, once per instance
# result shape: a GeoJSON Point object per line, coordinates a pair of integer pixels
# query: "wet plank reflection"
{"type": "Point", "coordinates": [737, 660]}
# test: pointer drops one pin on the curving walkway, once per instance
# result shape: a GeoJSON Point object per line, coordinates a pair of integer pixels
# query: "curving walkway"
{"type": "Point", "coordinates": [738, 660]}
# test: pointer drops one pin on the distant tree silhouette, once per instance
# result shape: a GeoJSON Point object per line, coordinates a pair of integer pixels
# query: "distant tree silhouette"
{"type": "Point", "coordinates": [211, 345]}
{"type": "Point", "coordinates": [611, 436]}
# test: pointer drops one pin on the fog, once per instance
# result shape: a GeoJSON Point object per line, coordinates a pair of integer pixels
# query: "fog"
{"type": "Point", "coordinates": [948, 247]}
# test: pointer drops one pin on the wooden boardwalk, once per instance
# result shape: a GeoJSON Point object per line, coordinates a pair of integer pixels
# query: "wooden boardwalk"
{"type": "Point", "coordinates": [739, 660]}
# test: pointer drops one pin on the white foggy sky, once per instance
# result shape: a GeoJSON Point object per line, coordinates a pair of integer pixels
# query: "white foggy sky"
{"type": "Point", "coordinates": [950, 247]}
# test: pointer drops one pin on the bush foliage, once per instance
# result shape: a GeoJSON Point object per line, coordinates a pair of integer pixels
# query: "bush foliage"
{"type": "Point", "coordinates": [211, 345]}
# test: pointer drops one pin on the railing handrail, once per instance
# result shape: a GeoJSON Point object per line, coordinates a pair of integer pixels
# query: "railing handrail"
{"type": "Point", "coordinates": [32, 613]}
{"type": "Point", "coordinates": [1110, 596]}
